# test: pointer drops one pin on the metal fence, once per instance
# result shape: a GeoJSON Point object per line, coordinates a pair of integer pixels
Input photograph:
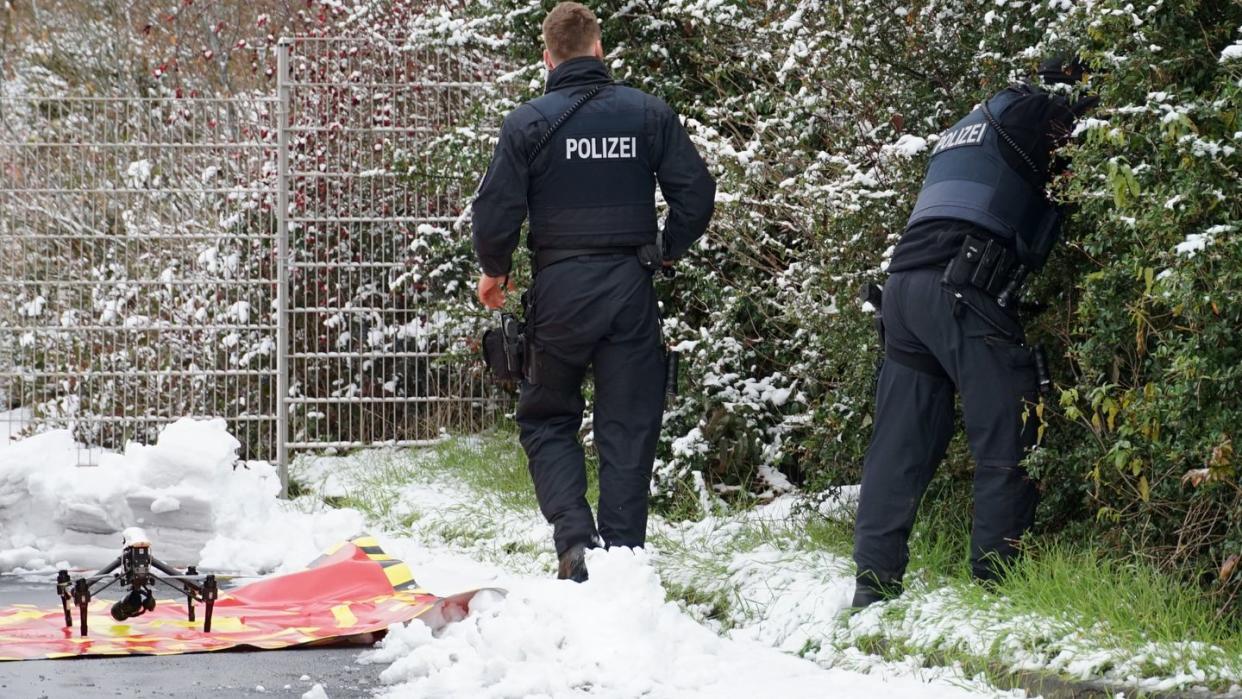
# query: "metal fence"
{"type": "Point", "coordinates": [136, 249]}
{"type": "Point", "coordinates": [286, 262]}
{"type": "Point", "coordinates": [369, 232]}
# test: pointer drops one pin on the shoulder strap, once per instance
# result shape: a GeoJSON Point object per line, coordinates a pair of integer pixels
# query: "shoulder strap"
{"type": "Point", "coordinates": [560, 121]}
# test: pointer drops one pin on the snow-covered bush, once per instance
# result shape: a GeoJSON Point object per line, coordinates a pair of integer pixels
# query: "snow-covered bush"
{"type": "Point", "coordinates": [816, 116]}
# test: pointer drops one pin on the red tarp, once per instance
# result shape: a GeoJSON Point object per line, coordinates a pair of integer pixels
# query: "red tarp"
{"type": "Point", "coordinates": [353, 590]}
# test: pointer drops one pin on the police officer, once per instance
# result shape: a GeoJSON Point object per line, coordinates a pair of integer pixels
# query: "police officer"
{"type": "Point", "coordinates": [583, 162]}
{"type": "Point", "coordinates": [982, 224]}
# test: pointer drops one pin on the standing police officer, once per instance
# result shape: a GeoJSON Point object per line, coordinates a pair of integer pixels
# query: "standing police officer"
{"type": "Point", "coordinates": [982, 223]}
{"type": "Point", "coordinates": [584, 160]}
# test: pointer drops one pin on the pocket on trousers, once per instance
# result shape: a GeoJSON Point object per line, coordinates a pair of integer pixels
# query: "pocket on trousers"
{"type": "Point", "coordinates": [1019, 357]}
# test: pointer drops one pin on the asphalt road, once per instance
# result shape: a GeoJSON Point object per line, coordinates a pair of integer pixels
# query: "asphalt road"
{"type": "Point", "coordinates": [215, 675]}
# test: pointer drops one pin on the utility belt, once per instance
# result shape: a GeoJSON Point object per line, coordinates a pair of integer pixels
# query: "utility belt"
{"type": "Point", "coordinates": [510, 350]}
{"type": "Point", "coordinates": [989, 265]}
{"type": "Point", "coordinates": [649, 256]}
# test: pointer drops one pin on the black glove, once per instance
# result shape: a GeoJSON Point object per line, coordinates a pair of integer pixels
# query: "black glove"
{"type": "Point", "coordinates": [1084, 104]}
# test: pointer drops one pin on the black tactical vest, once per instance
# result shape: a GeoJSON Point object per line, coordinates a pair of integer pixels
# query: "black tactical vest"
{"type": "Point", "coordinates": [593, 185]}
{"type": "Point", "coordinates": [969, 179]}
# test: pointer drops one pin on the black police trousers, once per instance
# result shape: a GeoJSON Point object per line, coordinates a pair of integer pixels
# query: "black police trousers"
{"type": "Point", "coordinates": [596, 311]}
{"type": "Point", "coordinates": [980, 352]}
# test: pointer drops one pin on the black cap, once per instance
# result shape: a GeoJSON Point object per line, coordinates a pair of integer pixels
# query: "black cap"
{"type": "Point", "coordinates": [1062, 69]}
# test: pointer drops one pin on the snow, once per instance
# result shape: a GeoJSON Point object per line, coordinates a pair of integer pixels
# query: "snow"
{"type": "Point", "coordinates": [614, 636]}
{"type": "Point", "coordinates": [784, 631]}
{"type": "Point", "coordinates": [13, 423]}
{"type": "Point", "coordinates": [188, 491]}
{"type": "Point", "coordinates": [1195, 242]}
{"type": "Point", "coordinates": [909, 145]}
{"type": "Point", "coordinates": [138, 173]}
{"type": "Point", "coordinates": [1198, 242]}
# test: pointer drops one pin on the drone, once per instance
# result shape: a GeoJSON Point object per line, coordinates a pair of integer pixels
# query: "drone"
{"type": "Point", "coordinates": [139, 571]}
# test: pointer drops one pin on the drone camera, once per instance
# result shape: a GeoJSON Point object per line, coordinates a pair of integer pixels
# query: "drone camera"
{"type": "Point", "coordinates": [136, 603]}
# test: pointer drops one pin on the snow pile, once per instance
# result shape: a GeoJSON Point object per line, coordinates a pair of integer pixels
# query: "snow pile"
{"type": "Point", "coordinates": [188, 491]}
{"type": "Point", "coordinates": [613, 636]}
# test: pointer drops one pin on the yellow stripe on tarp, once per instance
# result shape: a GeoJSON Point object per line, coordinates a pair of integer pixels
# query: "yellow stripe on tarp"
{"type": "Point", "coordinates": [24, 615]}
{"type": "Point", "coordinates": [228, 624]}
{"type": "Point", "coordinates": [364, 541]}
{"type": "Point", "coordinates": [344, 617]}
{"type": "Point", "coordinates": [179, 623]}
{"type": "Point", "coordinates": [398, 575]}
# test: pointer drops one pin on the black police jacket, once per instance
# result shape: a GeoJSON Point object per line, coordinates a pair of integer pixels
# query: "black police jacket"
{"type": "Point", "coordinates": [593, 184]}
{"type": "Point", "coordinates": [980, 180]}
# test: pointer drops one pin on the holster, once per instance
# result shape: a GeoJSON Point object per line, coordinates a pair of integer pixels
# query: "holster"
{"type": "Point", "coordinates": [651, 257]}
{"type": "Point", "coordinates": [504, 350]}
{"type": "Point", "coordinates": [988, 265]}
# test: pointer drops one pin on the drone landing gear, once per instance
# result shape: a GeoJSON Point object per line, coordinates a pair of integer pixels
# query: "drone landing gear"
{"type": "Point", "coordinates": [62, 588]}
{"type": "Point", "coordinates": [136, 574]}
{"type": "Point", "coordinates": [210, 591]}
{"type": "Point", "coordinates": [82, 600]}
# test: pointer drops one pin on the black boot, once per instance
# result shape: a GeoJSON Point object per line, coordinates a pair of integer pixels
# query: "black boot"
{"type": "Point", "coordinates": [868, 590]}
{"type": "Point", "coordinates": [573, 564]}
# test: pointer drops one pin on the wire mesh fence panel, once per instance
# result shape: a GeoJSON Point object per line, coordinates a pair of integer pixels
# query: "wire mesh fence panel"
{"type": "Point", "coordinates": [377, 178]}
{"type": "Point", "coordinates": [295, 263]}
{"type": "Point", "coordinates": [137, 266]}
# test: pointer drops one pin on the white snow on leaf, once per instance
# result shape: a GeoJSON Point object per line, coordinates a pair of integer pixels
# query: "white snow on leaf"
{"type": "Point", "coordinates": [1197, 242]}
{"type": "Point", "coordinates": [910, 145]}
{"type": "Point", "coordinates": [240, 311]}
{"type": "Point", "coordinates": [690, 444]}
{"type": "Point", "coordinates": [138, 173]}
{"type": "Point", "coordinates": [34, 307]}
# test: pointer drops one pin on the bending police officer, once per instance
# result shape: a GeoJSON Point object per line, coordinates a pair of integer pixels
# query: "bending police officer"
{"type": "Point", "coordinates": [583, 162]}
{"type": "Point", "coordinates": [982, 223]}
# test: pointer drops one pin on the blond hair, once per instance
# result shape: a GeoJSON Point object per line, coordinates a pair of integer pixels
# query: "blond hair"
{"type": "Point", "coordinates": [570, 30]}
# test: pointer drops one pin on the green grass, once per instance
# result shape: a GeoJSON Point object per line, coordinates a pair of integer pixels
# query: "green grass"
{"type": "Point", "coordinates": [495, 464]}
{"type": "Point", "coordinates": [375, 485]}
{"type": "Point", "coordinates": [1125, 604]}
{"type": "Point", "coordinates": [1131, 601]}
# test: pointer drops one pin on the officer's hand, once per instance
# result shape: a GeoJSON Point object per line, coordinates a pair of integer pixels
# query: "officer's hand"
{"type": "Point", "coordinates": [1084, 104]}
{"type": "Point", "coordinates": [492, 290]}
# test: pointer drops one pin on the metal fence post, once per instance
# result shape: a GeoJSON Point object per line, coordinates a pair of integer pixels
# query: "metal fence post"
{"type": "Point", "coordinates": [282, 267]}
